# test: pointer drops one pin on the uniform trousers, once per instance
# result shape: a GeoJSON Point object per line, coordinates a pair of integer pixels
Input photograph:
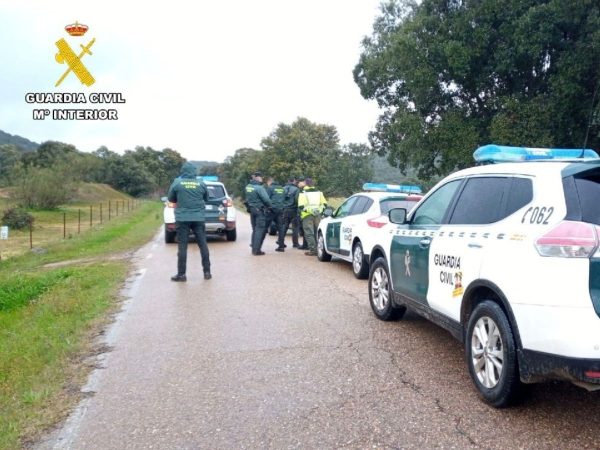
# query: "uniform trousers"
{"type": "Point", "coordinates": [183, 236]}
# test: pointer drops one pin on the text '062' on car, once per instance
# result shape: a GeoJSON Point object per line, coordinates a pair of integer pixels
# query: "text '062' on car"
{"type": "Point", "coordinates": [219, 214]}
{"type": "Point", "coordinates": [506, 257]}
{"type": "Point", "coordinates": [350, 232]}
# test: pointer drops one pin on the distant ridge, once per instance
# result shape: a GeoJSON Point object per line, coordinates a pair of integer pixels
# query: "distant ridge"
{"type": "Point", "coordinates": [24, 144]}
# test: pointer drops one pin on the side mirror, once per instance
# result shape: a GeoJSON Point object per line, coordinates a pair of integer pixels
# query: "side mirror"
{"type": "Point", "coordinates": [397, 215]}
{"type": "Point", "coordinates": [327, 212]}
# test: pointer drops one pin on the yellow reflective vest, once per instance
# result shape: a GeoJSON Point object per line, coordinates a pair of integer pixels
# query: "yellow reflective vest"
{"type": "Point", "coordinates": [311, 202]}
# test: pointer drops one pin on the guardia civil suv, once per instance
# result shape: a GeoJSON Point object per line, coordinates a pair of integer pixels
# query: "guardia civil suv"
{"type": "Point", "coordinates": [506, 257]}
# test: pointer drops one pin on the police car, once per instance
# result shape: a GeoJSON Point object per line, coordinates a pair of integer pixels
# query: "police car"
{"type": "Point", "coordinates": [220, 214]}
{"type": "Point", "coordinates": [506, 257]}
{"type": "Point", "coordinates": [349, 233]}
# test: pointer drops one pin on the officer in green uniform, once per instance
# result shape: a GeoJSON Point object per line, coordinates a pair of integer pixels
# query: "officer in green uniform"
{"type": "Point", "coordinates": [260, 205]}
{"type": "Point", "coordinates": [290, 212]}
{"type": "Point", "coordinates": [190, 194]}
{"type": "Point", "coordinates": [277, 197]}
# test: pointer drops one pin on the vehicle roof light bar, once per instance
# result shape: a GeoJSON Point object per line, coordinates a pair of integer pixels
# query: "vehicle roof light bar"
{"type": "Point", "coordinates": [399, 188]}
{"type": "Point", "coordinates": [502, 153]}
{"type": "Point", "coordinates": [209, 177]}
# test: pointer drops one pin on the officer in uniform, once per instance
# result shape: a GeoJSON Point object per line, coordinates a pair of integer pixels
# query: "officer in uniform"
{"type": "Point", "coordinates": [290, 212]}
{"type": "Point", "coordinates": [260, 205]}
{"type": "Point", "coordinates": [297, 223]}
{"type": "Point", "coordinates": [190, 194]}
{"type": "Point", "coordinates": [277, 196]}
{"type": "Point", "coordinates": [311, 203]}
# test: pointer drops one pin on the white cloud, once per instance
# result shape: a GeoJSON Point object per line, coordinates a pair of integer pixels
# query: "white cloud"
{"type": "Point", "coordinates": [204, 78]}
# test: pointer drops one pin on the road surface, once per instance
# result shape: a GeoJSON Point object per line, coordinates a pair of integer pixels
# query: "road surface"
{"type": "Point", "coordinates": [282, 352]}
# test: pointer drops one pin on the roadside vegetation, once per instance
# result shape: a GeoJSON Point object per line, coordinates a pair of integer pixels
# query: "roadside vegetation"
{"type": "Point", "coordinates": [52, 305]}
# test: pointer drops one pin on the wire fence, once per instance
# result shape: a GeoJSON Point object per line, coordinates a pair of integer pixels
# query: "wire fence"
{"type": "Point", "coordinates": [55, 225]}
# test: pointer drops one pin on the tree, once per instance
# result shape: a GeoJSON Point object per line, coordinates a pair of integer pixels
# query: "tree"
{"type": "Point", "coordinates": [451, 75]}
{"type": "Point", "coordinates": [302, 148]}
{"type": "Point", "coordinates": [9, 160]}
{"type": "Point", "coordinates": [349, 169]}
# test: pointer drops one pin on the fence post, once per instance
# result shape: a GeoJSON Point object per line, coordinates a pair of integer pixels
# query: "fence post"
{"type": "Point", "coordinates": [64, 225]}
{"type": "Point", "coordinates": [109, 210]}
{"type": "Point", "coordinates": [117, 202]}
{"type": "Point", "coordinates": [91, 216]}
{"type": "Point", "coordinates": [30, 235]}
{"type": "Point", "coordinates": [78, 221]}
{"type": "Point", "coordinates": [100, 213]}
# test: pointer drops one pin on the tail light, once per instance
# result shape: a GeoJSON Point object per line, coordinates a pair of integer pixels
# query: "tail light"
{"type": "Point", "coordinates": [592, 373]}
{"type": "Point", "coordinates": [227, 202]}
{"type": "Point", "coordinates": [378, 222]}
{"type": "Point", "coordinates": [569, 240]}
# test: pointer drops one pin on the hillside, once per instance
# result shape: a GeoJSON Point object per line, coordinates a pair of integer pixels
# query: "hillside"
{"type": "Point", "coordinates": [24, 144]}
{"type": "Point", "coordinates": [87, 193]}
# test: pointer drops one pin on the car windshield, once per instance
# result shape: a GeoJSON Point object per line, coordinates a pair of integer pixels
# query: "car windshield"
{"type": "Point", "coordinates": [215, 191]}
{"type": "Point", "coordinates": [391, 203]}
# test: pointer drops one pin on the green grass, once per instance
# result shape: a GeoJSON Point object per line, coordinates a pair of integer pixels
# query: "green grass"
{"type": "Point", "coordinates": [48, 316]}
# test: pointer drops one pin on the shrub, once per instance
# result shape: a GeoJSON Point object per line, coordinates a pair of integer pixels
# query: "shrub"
{"type": "Point", "coordinates": [17, 218]}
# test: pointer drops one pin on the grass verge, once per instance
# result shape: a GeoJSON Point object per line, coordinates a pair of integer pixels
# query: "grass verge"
{"type": "Point", "coordinates": [48, 317]}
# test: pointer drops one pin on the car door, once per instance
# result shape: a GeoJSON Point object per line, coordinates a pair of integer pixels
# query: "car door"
{"type": "Point", "coordinates": [460, 245]}
{"type": "Point", "coordinates": [351, 223]}
{"type": "Point", "coordinates": [410, 246]}
{"type": "Point", "coordinates": [334, 226]}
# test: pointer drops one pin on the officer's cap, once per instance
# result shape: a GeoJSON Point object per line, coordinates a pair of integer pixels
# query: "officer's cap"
{"type": "Point", "coordinates": [308, 181]}
{"type": "Point", "coordinates": [257, 174]}
{"type": "Point", "coordinates": [300, 178]}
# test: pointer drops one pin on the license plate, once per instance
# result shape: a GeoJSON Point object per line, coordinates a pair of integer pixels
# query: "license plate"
{"type": "Point", "coordinates": [209, 207]}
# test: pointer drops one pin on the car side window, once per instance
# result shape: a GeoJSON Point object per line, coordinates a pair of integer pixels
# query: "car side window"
{"type": "Point", "coordinates": [490, 199]}
{"type": "Point", "coordinates": [433, 209]}
{"type": "Point", "coordinates": [361, 205]}
{"type": "Point", "coordinates": [344, 209]}
{"type": "Point", "coordinates": [481, 200]}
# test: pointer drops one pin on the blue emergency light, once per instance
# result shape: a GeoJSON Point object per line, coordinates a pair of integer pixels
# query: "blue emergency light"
{"type": "Point", "coordinates": [400, 188]}
{"type": "Point", "coordinates": [502, 153]}
{"type": "Point", "coordinates": [209, 177]}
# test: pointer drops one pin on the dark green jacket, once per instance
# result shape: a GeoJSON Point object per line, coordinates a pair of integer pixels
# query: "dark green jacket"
{"type": "Point", "coordinates": [190, 194]}
{"type": "Point", "coordinates": [277, 195]}
{"type": "Point", "coordinates": [256, 195]}
{"type": "Point", "coordinates": [291, 195]}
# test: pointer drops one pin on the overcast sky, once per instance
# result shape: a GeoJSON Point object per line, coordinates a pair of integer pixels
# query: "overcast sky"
{"type": "Point", "coordinates": [204, 78]}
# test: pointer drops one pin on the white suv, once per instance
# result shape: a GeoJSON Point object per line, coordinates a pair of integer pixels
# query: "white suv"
{"type": "Point", "coordinates": [506, 257]}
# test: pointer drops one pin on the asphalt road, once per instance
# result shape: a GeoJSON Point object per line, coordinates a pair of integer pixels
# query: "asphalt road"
{"type": "Point", "coordinates": [282, 351]}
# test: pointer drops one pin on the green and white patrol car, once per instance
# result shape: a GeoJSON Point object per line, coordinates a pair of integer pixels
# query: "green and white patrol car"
{"type": "Point", "coordinates": [506, 257]}
{"type": "Point", "coordinates": [220, 214]}
{"type": "Point", "coordinates": [350, 232]}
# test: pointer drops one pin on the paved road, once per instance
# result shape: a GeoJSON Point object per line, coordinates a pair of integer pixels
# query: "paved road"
{"type": "Point", "coordinates": [282, 351]}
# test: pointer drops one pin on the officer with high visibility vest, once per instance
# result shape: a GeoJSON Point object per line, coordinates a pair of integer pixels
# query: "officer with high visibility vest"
{"type": "Point", "coordinates": [260, 206]}
{"type": "Point", "coordinates": [277, 195]}
{"type": "Point", "coordinates": [311, 203]}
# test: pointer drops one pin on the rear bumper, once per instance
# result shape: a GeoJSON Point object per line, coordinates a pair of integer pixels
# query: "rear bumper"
{"type": "Point", "coordinates": [537, 366]}
{"type": "Point", "coordinates": [211, 227]}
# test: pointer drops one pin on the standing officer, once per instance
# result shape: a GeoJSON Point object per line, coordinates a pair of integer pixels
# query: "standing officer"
{"type": "Point", "coordinates": [277, 197]}
{"type": "Point", "coordinates": [259, 205]}
{"type": "Point", "coordinates": [190, 194]}
{"type": "Point", "coordinates": [311, 204]}
{"type": "Point", "coordinates": [297, 223]}
{"type": "Point", "coordinates": [290, 211]}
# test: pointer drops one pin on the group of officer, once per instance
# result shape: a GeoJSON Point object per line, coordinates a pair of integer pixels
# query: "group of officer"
{"type": "Point", "coordinates": [298, 204]}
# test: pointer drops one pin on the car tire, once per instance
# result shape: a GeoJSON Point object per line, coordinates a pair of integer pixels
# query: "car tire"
{"type": "Point", "coordinates": [492, 355]}
{"type": "Point", "coordinates": [380, 293]}
{"type": "Point", "coordinates": [360, 265]}
{"type": "Point", "coordinates": [169, 236]}
{"type": "Point", "coordinates": [322, 254]}
{"type": "Point", "coordinates": [231, 235]}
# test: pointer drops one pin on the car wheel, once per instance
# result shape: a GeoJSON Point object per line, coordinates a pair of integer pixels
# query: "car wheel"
{"type": "Point", "coordinates": [360, 266]}
{"type": "Point", "coordinates": [231, 235]}
{"type": "Point", "coordinates": [322, 254]}
{"type": "Point", "coordinates": [380, 293]}
{"type": "Point", "coordinates": [492, 355]}
{"type": "Point", "coordinates": [169, 236]}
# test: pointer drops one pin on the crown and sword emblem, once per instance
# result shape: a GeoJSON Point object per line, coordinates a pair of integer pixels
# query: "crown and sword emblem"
{"type": "Point", "coordinates": [67, 55]}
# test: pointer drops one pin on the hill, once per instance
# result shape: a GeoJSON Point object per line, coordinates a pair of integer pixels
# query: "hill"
{"type": "Point", "coordinates": [24, 144]}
